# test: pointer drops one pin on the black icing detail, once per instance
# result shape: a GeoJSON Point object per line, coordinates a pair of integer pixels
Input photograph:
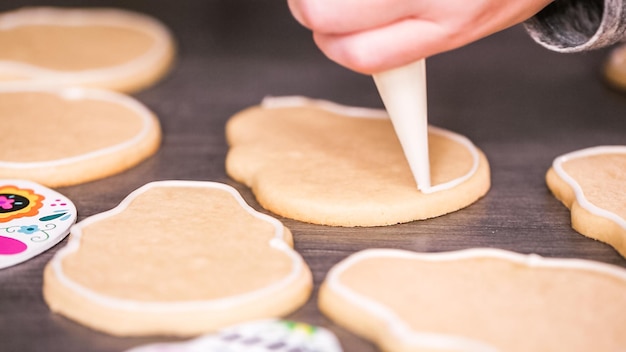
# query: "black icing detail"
{"type": "Point", "coordinates": [19, 202]}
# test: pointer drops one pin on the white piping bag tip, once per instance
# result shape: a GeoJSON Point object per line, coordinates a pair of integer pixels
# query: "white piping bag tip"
{"type": "Point", "coordinates": [403, 91]}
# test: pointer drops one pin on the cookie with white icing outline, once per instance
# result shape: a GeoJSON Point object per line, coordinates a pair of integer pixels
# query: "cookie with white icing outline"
{"type": "Point", "coordinates": [61, 137]}
{"type": "Point", "coordinates": [176, 258]}
{"type": "Point", "coordinates": [104, 48]}
{"type": "Point", "coordinates": [320, 162]}
{"type": "Point", "coordinates": [477, 300]}
{"type": "Point", "coordinates": [591, 183]}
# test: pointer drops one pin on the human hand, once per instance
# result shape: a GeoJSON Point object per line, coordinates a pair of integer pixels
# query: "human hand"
{"type": "Point", "coordinates": [371, 36]}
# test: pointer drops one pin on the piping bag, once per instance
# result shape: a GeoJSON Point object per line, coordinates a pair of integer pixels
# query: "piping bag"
{"type": "Point", "coordinates": [403, 92]}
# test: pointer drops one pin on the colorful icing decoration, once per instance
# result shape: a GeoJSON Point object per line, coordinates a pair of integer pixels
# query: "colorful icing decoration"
{"type": "Point", "coordinates": [33, 219]}
{"type": "Point", "coordinates": [16, 203]}
{"type": "Point", "coordinates": [591, 183]}
{"type": "Point", "coordinates": [259, 336]}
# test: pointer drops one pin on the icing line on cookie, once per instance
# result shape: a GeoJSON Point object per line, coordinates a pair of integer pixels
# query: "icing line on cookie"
{"type": "Point", "coordinates": [439, 340]}
{"type": "Point", "coordinates": [76, 93]}
{"type": "Point", "coordinates": [360, 112]}
{"type": "Point", "coordinates": [578, 191]}
{"type": "Point", "coordinates": [276, 242]}
{"type": "Point", "coordinates": [83, 17]}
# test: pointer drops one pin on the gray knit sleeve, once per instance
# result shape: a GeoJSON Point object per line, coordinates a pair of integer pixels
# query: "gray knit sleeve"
{"type": "Point", "coordinates": [578, 25]}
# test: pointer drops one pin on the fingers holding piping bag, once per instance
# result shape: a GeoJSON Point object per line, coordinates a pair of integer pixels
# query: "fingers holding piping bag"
{"type": "Point", "coordinates": [390, 39]}
{"type": "Point", "coordinates": [370, 36]}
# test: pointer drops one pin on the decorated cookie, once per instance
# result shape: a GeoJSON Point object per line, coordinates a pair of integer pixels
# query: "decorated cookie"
{"type": "Point", "coordinates": [105, 48]}
{"type": "Point", "coordinates": [320, 162]}
{"type": "Point", "coordinates": [33, 219]}
{"type": "Point", "coordinates": [72, 135]}
{"type": "Point", "coordinates": [591, 183]}
{"type": "Point", "coordinates": [477, 300]}
{"type": "Point", "coordinates": [176, 258]}
{"type": "Point", "coordinates": [259, 336]}
{"type": "Point", "coordinates": [615, 67]}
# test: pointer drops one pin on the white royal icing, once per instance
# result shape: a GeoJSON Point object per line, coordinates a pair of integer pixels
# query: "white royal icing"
{"type": "Point", "coordinates": [578, 191]}
{"type": "Point", "coordinates": [439, 340]}
{"type": "Point", "coordinates": [83, 17]}
{"type": "Point", "coordinates": [360, 112]}
{"type": "Point", "coordinates": [277, 242]}
{"type": "Point", "coordinates": [403, 91]}
{"type": "Point", "coordinates": [76, 93]}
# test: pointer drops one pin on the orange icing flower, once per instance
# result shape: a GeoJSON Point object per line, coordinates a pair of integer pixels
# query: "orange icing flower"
{"type": "Point", "coordinates": [17, 203]}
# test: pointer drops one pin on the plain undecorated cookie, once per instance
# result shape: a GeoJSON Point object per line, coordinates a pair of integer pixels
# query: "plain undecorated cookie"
{"type": "Point", "coordinates": [615, 67]}
{"type": "Point", "coordinates": [477, 300]}
{"type": "Point", "coordinates": [104, 48]}
{"type": "Point", "coordinates": [176, 258]}
{"type": "Point", "coordinates": [61, 137]}
{"type": "Point", "coordinates": [591, 183]}
{"type": "Point", "coordinates": [328, 164]}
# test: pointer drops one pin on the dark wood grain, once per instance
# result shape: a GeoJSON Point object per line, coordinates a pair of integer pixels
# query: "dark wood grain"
{"type": "Point", "coordinates": [521, 104]}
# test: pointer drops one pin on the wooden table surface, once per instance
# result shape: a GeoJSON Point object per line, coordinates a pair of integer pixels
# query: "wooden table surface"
{"type": "Point", "coordinates": [521, 104]}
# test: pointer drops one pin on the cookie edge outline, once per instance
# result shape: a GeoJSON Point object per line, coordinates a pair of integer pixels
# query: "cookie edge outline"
{"type": "Point", "coordinates": [147, 117]}
{"type": "Point", "coordinates": [405, 335]}
{"type": "Point", "coordinates": [579, 194]}
{"type": "Point", "coordinates": [278, 242]}
{"type": "Point", "coordinates": [82, 16]}
{"type": "Point", "coordinates": [278, 102]}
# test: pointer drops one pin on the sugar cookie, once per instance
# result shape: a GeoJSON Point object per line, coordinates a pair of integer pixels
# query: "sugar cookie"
{"type": "Point", "coordinates": [615, 67]}
{"type": "Point", "coordinates": [591, 183]}
{"type": "Point", "coordinates": [324, 163]}
{"type": "Point", "coordinates": [72, 135]}
{"type": "Point", "coordinates": [477, 300]}
{"type": "Point", "coordinates": [259, 336]}
{"type": "Point", "coordinates": [104, 48]}
{"type": "Point", "coordinates": [176, 258]}
{"type": "Point", "coordinates": [33, 219]}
